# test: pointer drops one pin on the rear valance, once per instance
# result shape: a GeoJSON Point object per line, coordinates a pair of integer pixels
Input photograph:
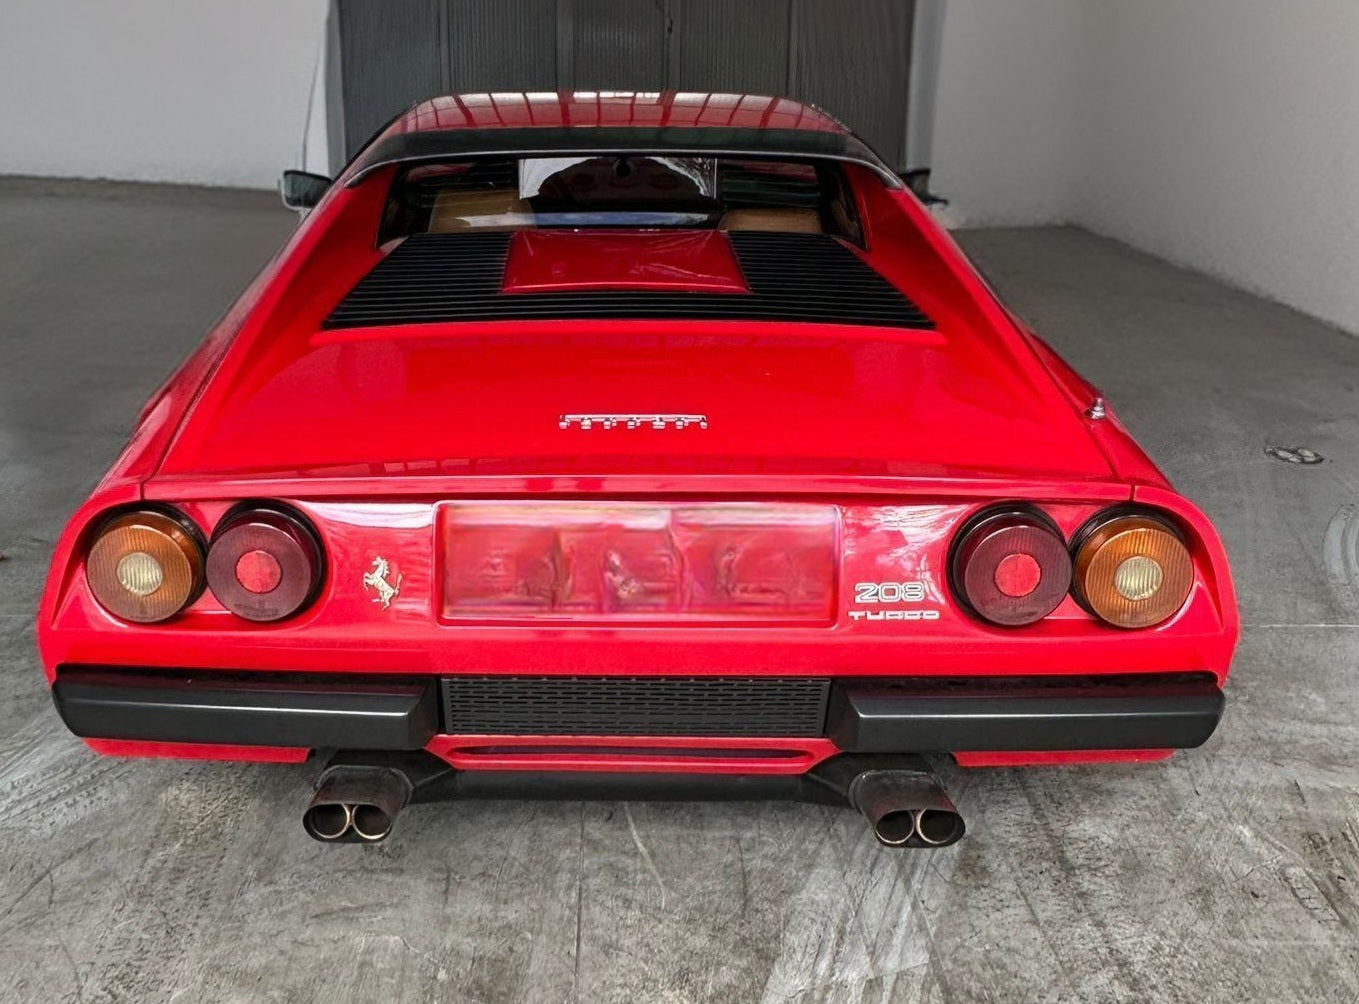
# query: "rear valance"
{"type": "Point", "coordinates": [786, 144]}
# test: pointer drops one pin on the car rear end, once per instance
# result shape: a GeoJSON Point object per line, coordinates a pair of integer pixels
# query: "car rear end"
{"type": "Point", "coordinates": [756, 638]}
{"type": "Point", "coordinates": [499, 490]}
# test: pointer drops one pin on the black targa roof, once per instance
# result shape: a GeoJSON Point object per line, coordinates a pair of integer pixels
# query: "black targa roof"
{"type": "Point", "coordinates": [791, 144]}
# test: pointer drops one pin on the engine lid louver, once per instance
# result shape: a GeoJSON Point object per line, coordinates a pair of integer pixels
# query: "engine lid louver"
{"type": "Point", "coordinates": [455, 277]}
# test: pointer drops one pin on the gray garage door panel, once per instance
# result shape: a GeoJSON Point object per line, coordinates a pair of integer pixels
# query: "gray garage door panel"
{"type": "Point", "coordinates": [848, 58]}
{"type": "Point", "coordinates": [391, 54]}
{"type": "Point", "coordinates": [712, 48]}
{"type": "Point", "coordinates": [507, 45]}
{"type": "Point", "coordinates": [617, 45]}
{"type": "Point", "coordinates": [851, 57]}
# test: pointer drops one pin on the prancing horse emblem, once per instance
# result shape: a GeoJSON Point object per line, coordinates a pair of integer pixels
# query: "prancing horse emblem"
{"type": "Point", "coordinates": [377, 580]}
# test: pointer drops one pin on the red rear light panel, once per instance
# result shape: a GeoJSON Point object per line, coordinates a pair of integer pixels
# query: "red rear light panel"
{"type": "Point", "coordinates": [640, 562]}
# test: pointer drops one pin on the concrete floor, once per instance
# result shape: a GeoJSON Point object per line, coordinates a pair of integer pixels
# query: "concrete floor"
{"type": "Point", "coordinates": [1227, 874]}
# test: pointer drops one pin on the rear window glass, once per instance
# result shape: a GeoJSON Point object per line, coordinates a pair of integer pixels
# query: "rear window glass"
{"type": "Point", "coordinates": [635, 191]}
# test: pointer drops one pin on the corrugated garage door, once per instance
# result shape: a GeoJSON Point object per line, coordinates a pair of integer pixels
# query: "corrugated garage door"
{"type": "Point", "coordinates": [851, 57]}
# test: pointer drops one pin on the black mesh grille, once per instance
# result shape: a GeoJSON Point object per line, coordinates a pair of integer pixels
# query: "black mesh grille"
{"type": "Point", "coordinates": [445, 277]}
{"type": "Point", "coordinates": [634, 706]}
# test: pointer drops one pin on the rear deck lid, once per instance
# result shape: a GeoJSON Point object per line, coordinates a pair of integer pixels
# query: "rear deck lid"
{"type": "Point", "coordinates": [590, 398]}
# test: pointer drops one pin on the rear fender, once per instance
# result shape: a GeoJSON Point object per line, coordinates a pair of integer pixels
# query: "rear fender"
{"type": "Point", "coordinates": [1210, 556]}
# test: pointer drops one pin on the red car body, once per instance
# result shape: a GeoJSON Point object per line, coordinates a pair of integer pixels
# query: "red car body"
{"type": "Point", "coordinates": [392, 437]}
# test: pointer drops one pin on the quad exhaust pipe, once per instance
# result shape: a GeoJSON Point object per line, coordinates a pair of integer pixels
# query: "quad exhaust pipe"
{"type": "Point", "coordinates": [356, 804]}
{"type": "Point", "coordinates": [359, 796]}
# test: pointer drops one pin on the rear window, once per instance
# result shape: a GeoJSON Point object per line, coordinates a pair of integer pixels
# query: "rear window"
{"type": "Point", "coordinates": [634, 191]}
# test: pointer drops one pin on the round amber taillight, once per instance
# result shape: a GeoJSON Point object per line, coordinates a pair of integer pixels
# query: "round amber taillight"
{"type": "Point", "coordinates": [1011, 567]}
{"type": "Point", "coordinates": [145, 566]}
{"type": "Point", "coordinates": [1132, 570]}
{"type": "Point", "coordinates": [264, 564]}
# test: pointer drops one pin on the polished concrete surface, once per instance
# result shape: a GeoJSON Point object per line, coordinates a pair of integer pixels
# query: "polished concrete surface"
{"type": "Point", "coordinates": [1226, 874]}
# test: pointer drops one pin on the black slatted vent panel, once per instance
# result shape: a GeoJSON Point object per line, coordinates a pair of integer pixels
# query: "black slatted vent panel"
{"type": "Point", "coordinates": [744, 706]}
{"type": "Point", "coordinates": [449, 277]}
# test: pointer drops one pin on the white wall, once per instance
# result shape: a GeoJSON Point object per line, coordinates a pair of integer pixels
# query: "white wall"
{"type": "Point", "coordinates": [162, 90]}
{"type": "Point", "coordinates": [1010, 108]}
{"type": "Point", "coordinates": [1221, 134]}
{"type": "Point", "coordinates": [1224, 134]}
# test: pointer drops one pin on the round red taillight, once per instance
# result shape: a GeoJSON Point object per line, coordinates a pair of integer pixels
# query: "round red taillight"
{"type": "Point", "coordinates": [264, 564]}
{"type": "Point", "coordinates": [1010, 567]}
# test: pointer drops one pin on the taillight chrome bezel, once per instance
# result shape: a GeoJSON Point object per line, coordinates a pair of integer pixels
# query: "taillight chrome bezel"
{"type": "Point", "coordinates": [977, 533]}
{"type": "Point", "coordinates": [299, 554]}
{"type": "Point", "coordinates": [1109, 523]}
{"type": "Point", "coordinates": [183, 535]}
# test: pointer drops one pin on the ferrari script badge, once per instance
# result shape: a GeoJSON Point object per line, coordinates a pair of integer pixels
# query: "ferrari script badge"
{"type": "Point", "coordinates": [378, 580]}
{"type": "Point", "coordinates": [633, 421]}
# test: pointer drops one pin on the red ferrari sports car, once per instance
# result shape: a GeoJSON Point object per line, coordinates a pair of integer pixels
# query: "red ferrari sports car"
{"type": "Point", "coordinates": [617, 445]}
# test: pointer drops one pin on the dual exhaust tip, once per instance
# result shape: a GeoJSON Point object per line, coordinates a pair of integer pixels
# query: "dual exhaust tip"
{"type": "Point", "coordinates": [334, 821]}
{"type": "Point", "coordinates": [907, 808]}
{"type": "Point", "coordinates": [919, 828]}
{"type": "Point", "coordinates": [356, 804]}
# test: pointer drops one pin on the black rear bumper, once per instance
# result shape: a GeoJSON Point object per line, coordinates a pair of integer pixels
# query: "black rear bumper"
{"type": "Point", "coordinates": [246, 709]}
{"type": "Point", "coordinates": [901, 715]}
{"type": "Point", "coordinates": [1117, 713]}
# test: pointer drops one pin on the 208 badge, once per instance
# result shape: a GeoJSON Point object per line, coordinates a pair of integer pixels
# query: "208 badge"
{"type": "Point", "coordinates": [892, 593]}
